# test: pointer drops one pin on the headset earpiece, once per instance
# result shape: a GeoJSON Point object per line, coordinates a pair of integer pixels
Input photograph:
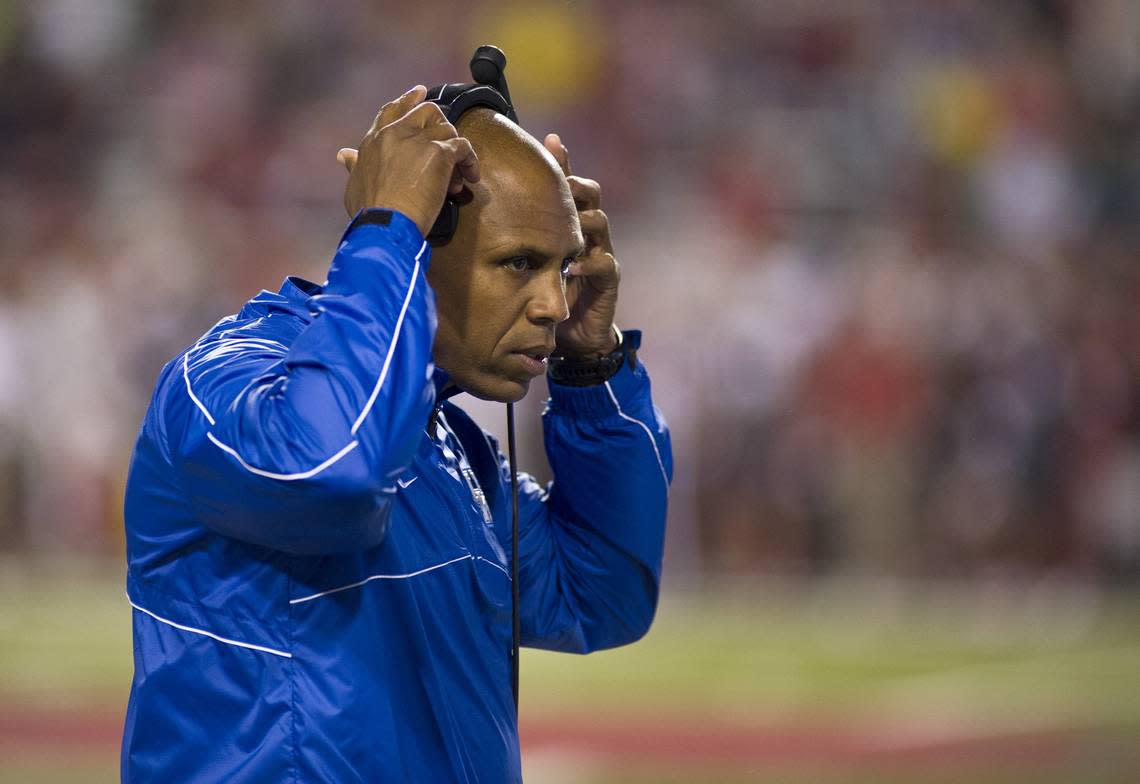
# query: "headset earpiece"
{"type": "Point", "coordinates": [488, 66]}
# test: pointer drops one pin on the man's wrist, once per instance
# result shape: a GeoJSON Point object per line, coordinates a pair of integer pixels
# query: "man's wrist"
{"type": "Point", "coordinates": [383, 216]}
{"type": "Point", "coordinates": [371, 216]}
{"type": "Point", "coordinates": [579, 371]}
{"type": "Point", "coordinates": [589, 356]}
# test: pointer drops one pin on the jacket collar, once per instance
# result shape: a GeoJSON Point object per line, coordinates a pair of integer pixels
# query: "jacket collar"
{"type": "Point", "coordinates": [444, 389]}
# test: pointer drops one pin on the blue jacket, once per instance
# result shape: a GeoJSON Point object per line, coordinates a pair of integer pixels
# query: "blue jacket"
{"type": "Point", "coordinates": [320, 577]}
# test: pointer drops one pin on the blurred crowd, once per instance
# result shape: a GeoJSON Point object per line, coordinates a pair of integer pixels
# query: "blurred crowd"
{"type": "Point", "coordinates": [886, 254]}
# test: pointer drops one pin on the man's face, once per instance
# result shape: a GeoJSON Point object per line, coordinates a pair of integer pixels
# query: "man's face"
{"type": "Point", "coordinates": [500, 284]}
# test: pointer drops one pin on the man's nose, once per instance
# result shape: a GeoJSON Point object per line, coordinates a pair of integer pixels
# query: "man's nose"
{"type": "Point", "coordinates": [548, 305]}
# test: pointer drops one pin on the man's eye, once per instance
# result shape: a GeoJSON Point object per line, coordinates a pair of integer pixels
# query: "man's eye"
{"type": "Point", "coordinates": [517, 264]}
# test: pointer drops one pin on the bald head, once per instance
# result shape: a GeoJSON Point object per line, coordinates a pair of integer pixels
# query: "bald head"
{"type": "Point", "coordinates": [521, 186]}
{"type": "Point", "coordinates": [512, 163]}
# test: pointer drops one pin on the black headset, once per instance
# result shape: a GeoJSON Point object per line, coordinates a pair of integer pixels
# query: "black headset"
{"type": "Point", "coordinates": [489, 90]}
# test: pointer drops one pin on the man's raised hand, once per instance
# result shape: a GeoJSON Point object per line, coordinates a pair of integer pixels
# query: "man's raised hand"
{"type": "Point", "coordinates": [408, 161]}
{"type": "Point", "coordinates": [592, 289]}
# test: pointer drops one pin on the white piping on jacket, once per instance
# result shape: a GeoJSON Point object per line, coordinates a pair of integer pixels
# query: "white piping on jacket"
{"type": "Point", "coordinates": [492, 563]}
{"type": "Point", "coordinates": [211, 635]}
{"type": "Point", "coordinates": [392, 346]}
{"type": "Point", "coordinates": [283, 477]}
{"type": "Point", "coordinates": [648, 432]}
{"type": "Point", "coordinates": [190, 391]}
{"type": "Point", "coordinates": [359, 583]}
{"type": "Point", "coordinates": [355, 426]}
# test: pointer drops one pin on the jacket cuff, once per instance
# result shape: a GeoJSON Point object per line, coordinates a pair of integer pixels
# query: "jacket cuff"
{"type": "Point", "coordinates": [392, 229]}
{"type": "Point", "coordinates": [619, 393]}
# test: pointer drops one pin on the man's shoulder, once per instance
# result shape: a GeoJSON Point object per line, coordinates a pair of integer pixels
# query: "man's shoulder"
{"type": "Point", "coordinates": [263, 328]}
{"type": "Point", "coordinates": [269, 320]}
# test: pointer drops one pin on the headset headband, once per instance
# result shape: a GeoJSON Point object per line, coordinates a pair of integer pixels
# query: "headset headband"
{"type": "Point", "coordinates": [489, 90]}
{"type": "Point", "coordinates": [455, 99]}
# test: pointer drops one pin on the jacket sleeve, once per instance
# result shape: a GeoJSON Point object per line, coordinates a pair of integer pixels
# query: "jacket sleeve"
{"type": "Point", "coordinates": [591, 543]}
{"type": "Point", "coordinates": [287, 436]}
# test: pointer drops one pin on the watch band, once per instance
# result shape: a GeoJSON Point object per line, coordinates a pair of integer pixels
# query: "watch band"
{"type": "Point", "coordinates": [589, 372]}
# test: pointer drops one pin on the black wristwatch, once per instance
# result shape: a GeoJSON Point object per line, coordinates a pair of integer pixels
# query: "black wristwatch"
{"type": "Point", "coordinates": [588, 372]}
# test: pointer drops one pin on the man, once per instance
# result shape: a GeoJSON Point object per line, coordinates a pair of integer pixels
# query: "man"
{"type": "Point", "coordinates": [317, 540]}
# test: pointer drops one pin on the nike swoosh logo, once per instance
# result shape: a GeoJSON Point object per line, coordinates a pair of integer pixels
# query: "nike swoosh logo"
{"type": "Point", "coordinates": [405, 485]}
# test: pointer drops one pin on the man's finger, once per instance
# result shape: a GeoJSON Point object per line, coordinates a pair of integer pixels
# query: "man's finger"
{"type": "Point", "coordinates": [346, 156]}
{"type": "Point", "coordinates": [594, 223]}
{"type": "Point", "coordinates": [587, 193]}
{"type": "Point", "coordinates": [596, 230]}
{"type": "Point", "coordinates": [598, 264]}
{"type": "Point", "coordinates": [463, 157]}
{"type": "Point", "coordinates": [554, 144]}
{"type": "Point", "coordinates": [426, 114]}
{"type": "Point", "coordinates": [456, 183]}
{"type": "Point", "coordinates": [438, 131]}
{"type": "Point", "coordinates": [394, 110]}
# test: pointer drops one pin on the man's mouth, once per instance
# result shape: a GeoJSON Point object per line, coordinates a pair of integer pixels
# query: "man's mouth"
{"type": "Point", "coordinates": [533, 359]}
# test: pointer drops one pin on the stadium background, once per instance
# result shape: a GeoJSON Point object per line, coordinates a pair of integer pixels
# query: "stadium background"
{"type": "Point", "coordinates": [886, 258]}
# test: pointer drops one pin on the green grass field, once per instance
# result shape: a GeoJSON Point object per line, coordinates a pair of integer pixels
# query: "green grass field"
{"type": "Point", "coordinates": [847, 682]}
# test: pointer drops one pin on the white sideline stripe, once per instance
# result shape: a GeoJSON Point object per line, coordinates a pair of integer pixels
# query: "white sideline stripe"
{"type": "Point", "coordinates": [211, 635]}
{"type": "Point", "coordinates": [355, 425]}
{"type": "Point", "coordinates": [283, 477]}
{"type": "Point", "coordinates": [648, 432]}
{"type": "Point", "coordinates": [359, 583]}
{"type": "Point", "coordinates": [392, 345]}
